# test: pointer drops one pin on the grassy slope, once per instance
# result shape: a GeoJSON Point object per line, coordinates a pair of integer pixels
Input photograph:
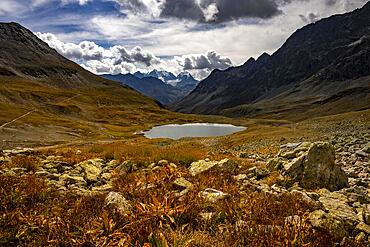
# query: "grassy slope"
{"type": "Point", "coordinates": [74, 114]}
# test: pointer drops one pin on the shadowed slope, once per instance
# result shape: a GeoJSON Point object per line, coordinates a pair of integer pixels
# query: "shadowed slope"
{"type": "Point", "coordinates": [318, 67]}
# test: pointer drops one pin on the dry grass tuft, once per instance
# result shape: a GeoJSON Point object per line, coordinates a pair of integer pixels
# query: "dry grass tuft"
{"type": "Point", "coordinates": [30, 163]}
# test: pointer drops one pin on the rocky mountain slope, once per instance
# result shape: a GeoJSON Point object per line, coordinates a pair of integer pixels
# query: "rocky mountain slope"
{"type": "Point", "coordinates": [151, 87]}
{"type": "Point", "coordinates": [323, 68]}
{"type": "Point", "coordinates": [45, 98]}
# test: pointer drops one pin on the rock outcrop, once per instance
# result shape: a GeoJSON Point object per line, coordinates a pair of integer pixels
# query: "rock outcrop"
{"type": "Point", "coordinates": [312, 165]}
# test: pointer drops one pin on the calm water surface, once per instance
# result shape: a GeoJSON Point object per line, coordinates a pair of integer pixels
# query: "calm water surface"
{"type": "Point", "coordinates": [176, 131]}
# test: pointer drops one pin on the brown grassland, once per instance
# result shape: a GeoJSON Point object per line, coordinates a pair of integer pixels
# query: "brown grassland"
{"type": "Point", "coordinates": [32, 214]}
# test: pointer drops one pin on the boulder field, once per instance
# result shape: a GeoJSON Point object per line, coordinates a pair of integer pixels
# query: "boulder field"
{"type": "Point", "coordinates": [333, 176]}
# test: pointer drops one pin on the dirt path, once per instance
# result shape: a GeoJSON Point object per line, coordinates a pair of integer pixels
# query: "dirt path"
{"type": "Point", "coordinates": [34, 110]}
{"type": "Point", "coordinates": [16, 119]}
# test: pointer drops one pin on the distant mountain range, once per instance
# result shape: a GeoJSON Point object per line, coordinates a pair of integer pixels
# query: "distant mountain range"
{"type": "Point", "coordinates": [160, 85]}
{"type": "Point", "coordinates": [322, 69]}
{"type": "Point", "coordinates": [184, 81]}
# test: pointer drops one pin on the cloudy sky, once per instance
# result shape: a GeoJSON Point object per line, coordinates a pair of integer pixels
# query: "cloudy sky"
{"type": "Point", "coordinates": [120, 36]}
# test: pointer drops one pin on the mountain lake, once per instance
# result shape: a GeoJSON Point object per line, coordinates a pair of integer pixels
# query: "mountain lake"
{"type": "Point", "coordinates": [178, 131]}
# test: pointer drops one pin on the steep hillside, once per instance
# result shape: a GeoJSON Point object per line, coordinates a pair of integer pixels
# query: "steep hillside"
{"type": "Point", "coordinates": [150, 86]}
{"type": "Point", "coordinates": [323, 68]}
{"type": "Point", "coordinates": [45, 98]}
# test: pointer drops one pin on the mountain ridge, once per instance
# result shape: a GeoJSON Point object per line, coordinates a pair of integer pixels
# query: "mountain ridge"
{"type": "Point", "coordinates": [309, 54]}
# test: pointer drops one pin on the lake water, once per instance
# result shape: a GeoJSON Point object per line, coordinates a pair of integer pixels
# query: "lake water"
{"type": "Point", "coordinates": [176, 131]}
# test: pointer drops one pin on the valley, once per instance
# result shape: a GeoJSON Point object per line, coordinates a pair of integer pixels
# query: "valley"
{"type": "Point", "coordinates": [289, 167]}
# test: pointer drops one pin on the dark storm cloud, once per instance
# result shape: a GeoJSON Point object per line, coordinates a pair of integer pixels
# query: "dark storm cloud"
{"type": "Point", "coordinates": [235, 9]}
{"type": "Point", "coordinates": [183, 9]}
{"type": "Point", "coordinates": [217, 11]}
{"type": "Point", "coordinates": [223, 10]}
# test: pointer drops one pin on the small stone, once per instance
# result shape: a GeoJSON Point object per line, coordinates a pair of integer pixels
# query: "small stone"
{"type": "Point", "coordinates": [182, 183]}
{"type": "Point", "coordinates": [163, 163]}
{"type": "Point", "coordinates": [320, 220]}
{"type": "Point", "coordinates": [4, 159]}
{"type": "Point", "coordinates": [152, 165]}
{"type": "Point", "coordinates": [105, 187]}
{"type": "Point", "coordinates": [92, 169]}
{"type": "Point", "coordinates": [116, 202]}
{"type": "Point", "coordinates": [294, 164]}
{"type": "Point", "coordinates": [148, 186]}
{"type": "Point", "coordinates": [337, 206]}
{"type": "Point", "coordinates": [10, 173]}
{"type": "Point", "coordinates": [366, 149]}
{"type": "Point", "coordinates": [293, 220]}
{"type": "Point", "coordinates": [307, 199]}
{"type": "Point", "coordinates": [228, 165]}
{"type": "Point", "coordinates": [67, 179]}
{"type": "Point", "coordinates": [18, 170]}
{"type": "Point", "coordinates": [362, 227]}
{"type": "Point", "coordinates": [366, 214]}
{"type": "Point", "coordinates": [212, 195]}
{"type": "Point", "coordinates": [275, 164]}
{"type": "Point", "coordinates": [53, 176]}
{"type": "Point", "coordinates": [173, 166]}
{"type": "Point", "coordinates": [42, 173]}
{"type": "Point", "coordinates": [112, 164]}
{"type": "Point", "coordinates": [239, 178]}
{"type": "Point", "coordinates": [157, 168]}
{"type": "Point", "coordinates": [361, 153]}
{"type": "Point", "coordinates": [126, 167]}
{"type": "Point", "coordinates": [201, 166]}
{"type": "Point", "coordinates": [106, 176]}
{"type": "Point", "coordinates": [360, 237]}
{"type": "Point", "coordinates": [258, 173]}
{"type": "Point", "coordinates": [207, 216]}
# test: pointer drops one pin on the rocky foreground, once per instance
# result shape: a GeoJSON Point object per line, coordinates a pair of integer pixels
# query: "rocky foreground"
{"type": "Point", "coordinates": [332, 177]}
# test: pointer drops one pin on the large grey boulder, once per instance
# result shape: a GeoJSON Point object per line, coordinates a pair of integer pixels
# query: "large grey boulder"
{"type": "Point", "coordinates": [312, 165]}
{"type": "Point", "coordinates": [317, 169]}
